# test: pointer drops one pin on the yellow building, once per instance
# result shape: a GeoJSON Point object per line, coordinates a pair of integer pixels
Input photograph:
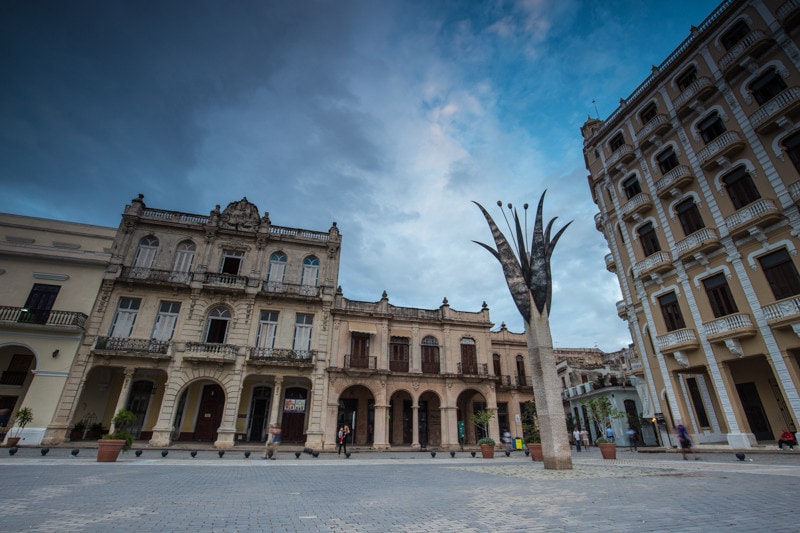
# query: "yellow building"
{"type": "Point", "coordinates": [50, 272]}
{"type": "Point", "coordinates": [696, 179]}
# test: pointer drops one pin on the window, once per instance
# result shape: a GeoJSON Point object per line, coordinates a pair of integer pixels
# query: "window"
{"type": "Point", "coordinates": [767, 86]}
{"type": "Point", "coordinates": [719, 296]}
{"type": "Point", "coordinates": [184, 257]}
{"type": "Point", "coordinates": [667, 160]}
{"type": "Point", "coordinates": [711, 127]}
{"type": "Point", "coordinates": [689, 216]}
{"type": "Point", "coordinates": [686, 79]}
{"type": "Point", "coordinates": [469, 357]}
{"type": "Point", "coordinates": [741, 188]}
{"type": "Point", "coordinates": [277, 269]}
{"type": "Point", "coordinates": [217, 325]}
{"type": "Point", "coordinates": [496, 364]}
{"type": "Point", "coordinates": [302, 332]}
{"type": "Point", "coordinates": [310, 274]}
{"type": "Point", "coordinates": [124, 317]}
{"type": "Point", "coordinates": [267, 328]}
{"type": "Point", "coordinates": [616, 142]}
{"type": "Point", "coordinates": [631, 186]}
{"type": "Point", "coordinates": [648, 114]}
{"type": "Point", "coordinates": [522, 379]}
{"type": "Point", "coordinates": [165, 321]}
{"type": "Point", "coordinates": [792, 145]}
{"type": "Point", "coordinates": [781, 274]}
{"type": "Point", "coordinates": [430, 355]}
{"type": "Point", "coordinates": [231, 262]}
{"type": "Point", "coordinates": [697, 402]}
{"type": "Point", "coordinates": [621, 234]}
{"type": "Point", "coordinates": [671, 312]}
{"type": "Point", "coordinates": [735, 34]}
{"type": "Point", "coordinates": [39, 303]}
{"type": "Point", "coordinates": [649, 239]}
{"type": "Point", "coordinates": [146, 252]}
{"type": "Point", "coordinates": [398, 354]}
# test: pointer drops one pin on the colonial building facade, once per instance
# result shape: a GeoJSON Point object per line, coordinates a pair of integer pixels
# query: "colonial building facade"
{"type": "Point", "coordinates": [696, 179]}
{"type": "Point", "coordinates": [50, 272]}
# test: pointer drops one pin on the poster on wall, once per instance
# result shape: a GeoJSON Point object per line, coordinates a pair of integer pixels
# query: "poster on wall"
{"type": "Point", "coordinates": [291, 405]}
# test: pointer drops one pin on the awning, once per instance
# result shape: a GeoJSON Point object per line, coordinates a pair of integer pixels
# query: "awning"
{"type": "Point", "coordinates": [363, 327]}
{"type": "Point", "coordinates": [400, 333]}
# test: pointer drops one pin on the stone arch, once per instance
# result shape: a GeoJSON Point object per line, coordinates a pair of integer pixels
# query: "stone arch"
{"type": "Point", "coordinates": [471, 400]}
{"type": "Point", "coordinates": [356, 409]}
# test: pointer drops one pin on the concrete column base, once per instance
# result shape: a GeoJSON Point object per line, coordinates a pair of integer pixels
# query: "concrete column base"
{"type": "Point", "coordinates": [741, 440]}
{"type": "Point", "coordinates": [55, 435]}
{"type": "Point", "coordinates": [225, 439]}
{"type": "Point", "coordinates": [160, 438]}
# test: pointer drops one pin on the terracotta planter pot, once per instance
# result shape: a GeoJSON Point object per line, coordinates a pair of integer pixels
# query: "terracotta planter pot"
{"type": "Point", "coordinates": [487, 451]}
{"type": "Point", "coordinates": [108, 450]}
{"type": "Point", "coordinates": [12, 441]}
{"type": "Point", "coordinates": [535, 448]}
{"type": "Point", "coordinates": [608, 450]}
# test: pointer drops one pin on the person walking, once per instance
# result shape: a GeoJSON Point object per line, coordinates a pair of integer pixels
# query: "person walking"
{"type": "Point", "coordinates": [585, 438]}
{"type": "Point", "coordinates": [576, 436]}
{"type": "Point", "coordinates": [609, 433]}
{"type": "Point", "coordinates": [631, 439]}
{"type": "Point", "coordinates": [273, 441]}
{"type": "Point", "coordinates": [685, 440]}
{"type": "Point", "coordinates": [344, 431]}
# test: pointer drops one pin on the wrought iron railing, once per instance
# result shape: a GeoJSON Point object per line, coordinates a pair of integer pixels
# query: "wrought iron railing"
{"type": "Point", "coordinates": [45, 318]}
{"type": "Point", "coordinates": [126, 344]}
{"type": "Point", "coordinates": [360, 361]}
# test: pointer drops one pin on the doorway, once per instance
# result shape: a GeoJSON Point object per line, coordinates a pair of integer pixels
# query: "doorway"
{"type": "Point", "coordinates": [209, 416]}
{"type": "Point", "coordinates": [754, 411]}
{"type": "Point", "coordinates": [259, 414]}
{"type": "Point", "coordinates": [293, 421]}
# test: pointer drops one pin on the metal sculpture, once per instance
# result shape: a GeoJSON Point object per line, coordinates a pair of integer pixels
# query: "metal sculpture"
{"type": "Point", "coordinates": [528, 276]}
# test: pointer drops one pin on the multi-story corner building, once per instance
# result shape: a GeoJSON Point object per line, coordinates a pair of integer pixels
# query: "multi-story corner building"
{"type": "Point", "coordinates": [208, 328]}
{"type": "Point", "coordinates": [50, 272]}
{"type": "Point", "coordinates": [696, 179]}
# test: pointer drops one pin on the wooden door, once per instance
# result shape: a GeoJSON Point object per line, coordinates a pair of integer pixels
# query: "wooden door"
{"type": "Point", "coordinates": [209, 417]}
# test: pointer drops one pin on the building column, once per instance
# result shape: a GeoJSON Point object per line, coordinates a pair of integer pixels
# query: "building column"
{"type": "Point", "coordinates": [415, 425]}
{"type": "Point", "coordinates": [380, 433]}
{"type": "Point", "coordinates": [275, 403]}
{"type": "Point", "coordinates": [449, 426]}
{"type": "Point", "coordinates": [122, 399]}
{"type": "Point", "coordinates": [736, 418]}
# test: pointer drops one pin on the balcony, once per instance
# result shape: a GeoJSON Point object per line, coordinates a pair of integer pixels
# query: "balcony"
{"type": "Point", "coordinates": [789, 14]}
{"type": "Point", "coordinates": [655, 127]}
{"type": "Point", "coordinates": [717, 151]}
{"type": "Point", "coordinates": [678, 340]}
{"type": "Point", "coordinates": [698, 91]}
{"type": "Point", "coordinates": [152, 275]}
{"type": "Point", "coordinates": [777, 111]}
{"type": "Point", "coordinates": [701, 241]}
{"type": "Point", "coordinates": [674, 181]}
{"type": "Point", "coordinates": [128, 346]}
{"type": "Point", "coordinates": [598, 221]}
{"type": "Point", "coordinates": [46, 319]}
{"type": "Point", "coordinates": [398, 365]}
{"type": "Point", "coordinates": [760, 213]}
{"type": "Point", "coordinates": [280, 356]}
{"type": "Point", "coordinates": [794, 190]}
{"type": "Point", "coordinates": [474, 369]}
{"type": "Point", "coordinates": [289, 289]}
{"type": "Point", "coordinates": [729, 327]}
{"type": "Point", "coordinates": [503, 381]}
{"type": "Point", "coordinates": [523, 381]}
{"type": "Point", "coordinates": [621, 156]}
{"type": "Point", "coordinates": [211, 352]}
{"type": "Point", "coordinates": [221, 280]}
{"type": "Point", "coordinates": [653, 264]}
{"type": "Point", "coordinates": [640, 203]}
{"type": "Point", "coordinates": [622, 310]}
{"type": "Point", "coordinates": [430, 367]}
{"type": "Point", "coordinates": [12, 379]}
{"type": "Point", "coordinates": [360, 361]}
{"type": "Point", "coordinates": [783, 313]}
{"type": "Point", "coordinates": [751, 46]}
{"type": "Point", "coordinates": [611, 265]}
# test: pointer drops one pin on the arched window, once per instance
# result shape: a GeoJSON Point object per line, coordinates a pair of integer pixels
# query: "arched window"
{"type": "Point", "coordinates": [277, 269]}
{"type": "Point", "coordinates": [310, 272]}
{"type": "Point", "coordinates": [430, 355]}
{"type": "Point", "coordinates": [792, 146]}
{"type": "Point", "coordinates": [217, 325]}
{"type": "Point", "coordinates": [649, 239]}
{"type": "Point", "coordinates": [469, 357]}
{"type": "Point", "coordinates": [741, 188]}
{"type": "Point", "coordinates": [767, 86]}
{"type": "Point", "coordinates": [146, 253]}
{"type": "Point", "coordinates": [184, 259]}
{"type": "Point", "coordinates": [522, 379]}
{"type": "Point", "coordinates": [711, 127]}
{"type": "Point", "coordinates": [689, 216]}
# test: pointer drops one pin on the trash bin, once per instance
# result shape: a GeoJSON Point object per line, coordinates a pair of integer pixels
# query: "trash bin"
{"type": "Point", "coordinates": [518, 443]}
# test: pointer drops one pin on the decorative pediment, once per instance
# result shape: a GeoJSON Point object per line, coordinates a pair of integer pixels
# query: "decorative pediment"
{"type": "Point", "coordinates": [241, 215]}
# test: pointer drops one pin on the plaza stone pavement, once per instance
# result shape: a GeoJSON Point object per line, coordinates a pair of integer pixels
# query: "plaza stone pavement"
{"type": "Point", "coordinates": [396, 492]}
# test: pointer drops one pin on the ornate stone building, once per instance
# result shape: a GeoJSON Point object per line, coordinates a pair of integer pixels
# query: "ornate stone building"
{"type": "Point", "coordinates": [50, 272]}
{"type": "Point", "coordinates": [208, 328]}
{"type": "Point", "coordinates": [696, 179]}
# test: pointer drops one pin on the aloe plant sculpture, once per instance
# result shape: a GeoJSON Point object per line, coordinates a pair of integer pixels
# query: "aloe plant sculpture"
{"type": "Point", "coordinates": [527, 273]}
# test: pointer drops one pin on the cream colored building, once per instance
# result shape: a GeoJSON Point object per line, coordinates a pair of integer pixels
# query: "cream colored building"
{"type": "Point", "coordinates": [209, 328]}
{"type": "Point", "coordinates": [696, 179]}
{"type": "Point", "coordinates": [50, 272]}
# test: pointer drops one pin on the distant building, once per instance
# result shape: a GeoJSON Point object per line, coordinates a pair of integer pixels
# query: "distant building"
{"type": "Point", "coordinates": [696, 179]}
{"type": "Point", "coordinates": [50, 272]}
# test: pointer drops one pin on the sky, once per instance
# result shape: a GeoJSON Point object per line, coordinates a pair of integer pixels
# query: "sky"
{"type": "Point", "coordinates": [388, 117]}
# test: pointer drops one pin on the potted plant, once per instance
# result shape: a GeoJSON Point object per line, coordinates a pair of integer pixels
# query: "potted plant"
{"type": "Point", "coordinates": [601, 412]}
{"type": "Point", "coordinates": [487, 444]}
{"type": "Point", "coordinates": [121, 439]}
{"type": "Point", "coordinates": [607, 449]}
{"type": "Point", "coordinates": [22, 418]}
{"type": "Point", "coordinates": [95, 431]}
{"type": "Point", "coordinates": [530, 428]}
{"type": "Point", "coordinates": [77, 430]}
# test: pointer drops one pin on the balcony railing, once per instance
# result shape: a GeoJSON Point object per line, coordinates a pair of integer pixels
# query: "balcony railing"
{"type": "Point", "coordinates": [611, 265]}
{"type": "Point", "coordinates": [360, 361]}
{"type": "Point", "coordinates": [398, 365]}
{"type": "Point", "coordinates": [280, 355]}
{"type": "Point", "coordinates": [623, 154]}
{"type": "Point", "coordinates": [481, 369]}
{"type": "Point", "coordinates": [727, 143]}
{"type": "Point", "coordinates": [220, 279]}
{"type": "Point", "coordinates": [639, 203]}
{"type": "Point", "coordinates": [789, 12]}
{"type": "Point", "coordinates": [212, 350]}
{"type": "Point", "coordinates": [13, 379]}
{"type": "Point", "coordinates": [124, 344]}
{"type": "Point", "coordinates": [731, 326]}
{"type": "Point", "coordinates": [759, 213]}
{"type": "Point", "coordinates": [696, 90]}
{"type": "Point", "coordinates": [658, 124]}
{"type": "Point", "coordinates": [674, 179]}
{"type": "Point", "coordinates": [657, 262]}
{"type": "Point", "coordinates": [431, 368]}
{"type": "Point", "coordinates": [622, 309]}
{"type": "Point", "coordinates": [751, 44]}
{"type": "Point", "coordinates": [782, 104]}
{"type": "Point", "coordinates": [523, 381]}
{"type": "Point", "coordinates": [277, 287]}
{"type": "Point", "coordinates": [503, 381]}
{"type": "Point", "coordinates": [44, 318]}
{"type": "Point", "coordinates": [699, 241]}
{"type": "Point", "coordinates": [155, 276]}
{"type": "Point", "coordinates": [680, 339]}
{"type": "Point", "coordinates": [783, 310]}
